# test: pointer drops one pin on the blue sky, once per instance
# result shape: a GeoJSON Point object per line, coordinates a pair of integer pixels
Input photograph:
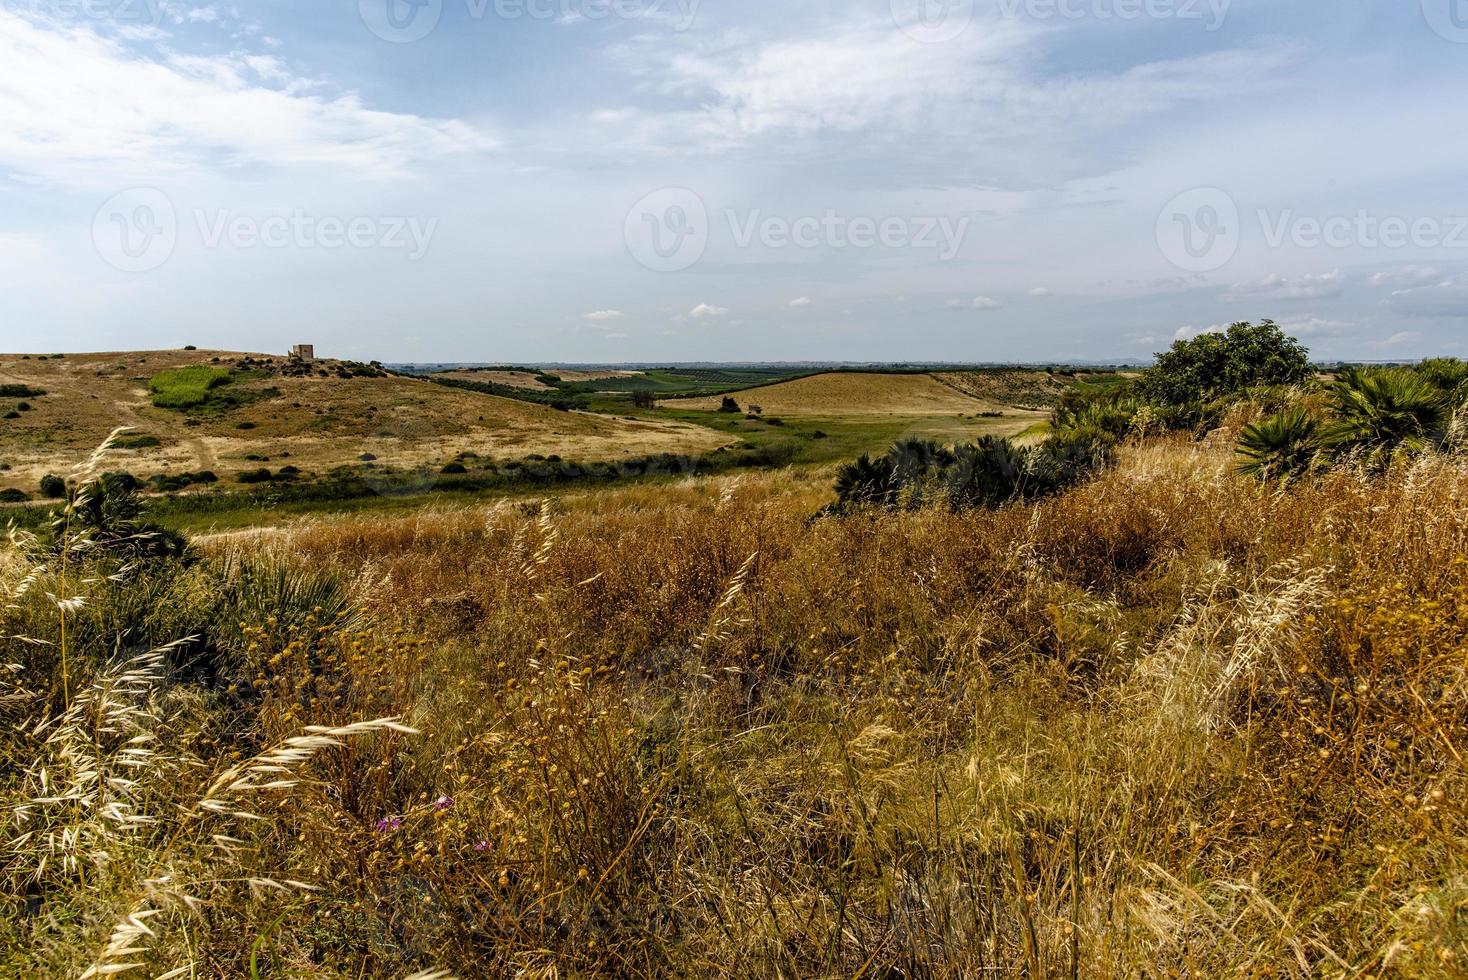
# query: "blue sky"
{"type": "Point", "coordinates": [665, 180]}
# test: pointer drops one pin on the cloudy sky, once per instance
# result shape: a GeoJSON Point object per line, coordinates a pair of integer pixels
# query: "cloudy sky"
{"type": "Point", "coordinates": [634, 180]}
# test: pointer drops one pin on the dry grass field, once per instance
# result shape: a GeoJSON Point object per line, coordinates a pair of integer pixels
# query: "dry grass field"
{"type": "Point", "coordinates": [529, 379]}
{"type": "Point", "coordinates": [1012, 387]}
{"type": "Point", "coordinates": [854, 393]}
{"type": "Point", "coordinates": [311, 422]}
{"type": "Point", "coordinates": [1174, 722]}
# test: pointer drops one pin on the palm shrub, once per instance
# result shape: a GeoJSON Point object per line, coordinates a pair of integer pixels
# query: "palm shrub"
{"type": "Point", "coordinates": [987, 473]}
{"type": "Point", "coordinates": [1281, 447]}
{"type": "Point", "coordinates": [1380, 414]}
{"type": "Point", "coordinates": [867, 481]}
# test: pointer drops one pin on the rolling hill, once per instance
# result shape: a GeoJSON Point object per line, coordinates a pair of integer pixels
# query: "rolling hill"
{"type": "Point", "coordinates": [853, 393]}
{"type": "Point", "coordinates": [236, 411]}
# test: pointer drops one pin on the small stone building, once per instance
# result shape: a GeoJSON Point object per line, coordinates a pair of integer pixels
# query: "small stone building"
{"type": "Point", "coordinates": [306, 352]}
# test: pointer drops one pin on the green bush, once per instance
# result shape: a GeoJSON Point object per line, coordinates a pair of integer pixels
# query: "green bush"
{"type": "Point", "coordinates": [10, 495]}
{"type": "Point", "coordinates": [53, 487]}
{"type": "Point", "coordinates": [1382, 412]}
{"type": "Point", "coordinates": [20, 391]}
{"type": "Point", "coordinates": [1215, 364]}
{"type": "Point", "coordinates": [1281, 447]}
{"type": "Point", "coordinates": [988, 473]}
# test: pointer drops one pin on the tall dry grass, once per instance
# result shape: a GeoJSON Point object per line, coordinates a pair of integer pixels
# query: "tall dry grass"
{"type": "Point", "coordinates": [1171, 723]}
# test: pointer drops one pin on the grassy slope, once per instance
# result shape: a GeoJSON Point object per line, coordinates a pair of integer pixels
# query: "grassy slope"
{"type": "Point", "coordinates": [313, 423]}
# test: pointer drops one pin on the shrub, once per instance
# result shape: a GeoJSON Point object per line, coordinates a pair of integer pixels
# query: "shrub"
{"type": "Point", "coordinates": [20, 391]}
{"type": "Point", "coordinates": [1383, 412]}
{"type": "Point", "coordinates": [729, 405]}
{"type": "Point", "coordinates": [262, 475]}
{"type": "Point", "coordinates": [12, 414]}
{"type": "Point", "coordinates": [987, 473]}
{"type": "Point", "coordinates": [1214, 364]}
{"type": "Point", "coordinates": [1282, 447]}
{"type": "Point", "coordinates": [53, 487]}
{"type": "Point", "coordinates": [10, 495]}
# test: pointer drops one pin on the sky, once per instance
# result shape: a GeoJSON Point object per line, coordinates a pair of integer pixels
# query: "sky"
{"type": "Point", "coordinates": [732, 180]}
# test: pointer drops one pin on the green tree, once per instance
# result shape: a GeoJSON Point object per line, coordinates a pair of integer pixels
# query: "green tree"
{"type": "Point", "coordinates": [1214, 364]}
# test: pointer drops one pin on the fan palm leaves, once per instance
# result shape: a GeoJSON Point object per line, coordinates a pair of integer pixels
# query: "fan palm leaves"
{"type": "Point", "coordinates": [1281, 447]}
{"type": "Point", "coordinates": [1383, 413]}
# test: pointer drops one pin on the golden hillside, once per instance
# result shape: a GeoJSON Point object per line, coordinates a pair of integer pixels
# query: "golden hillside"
{"type": "Point", "coordinates": [853, 393]}
{"type": "Point", "coordinates": [314, 420]}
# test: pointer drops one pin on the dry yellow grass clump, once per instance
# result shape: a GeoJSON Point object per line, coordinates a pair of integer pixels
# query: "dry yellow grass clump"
{"type": "Point", "coordinates": [1171, 723]}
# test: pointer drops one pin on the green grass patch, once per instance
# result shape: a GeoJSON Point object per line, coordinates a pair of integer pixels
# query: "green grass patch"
{"type": "Point", "coordinates": [187, 388]}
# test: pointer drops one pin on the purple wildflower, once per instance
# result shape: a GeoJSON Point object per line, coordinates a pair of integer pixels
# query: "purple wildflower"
{"type": "Point", "coordinates": [443, 803]}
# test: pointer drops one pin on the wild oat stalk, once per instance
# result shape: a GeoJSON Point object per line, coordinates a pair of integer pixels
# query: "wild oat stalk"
{"type": "Point", "coordinates": [722, 618]}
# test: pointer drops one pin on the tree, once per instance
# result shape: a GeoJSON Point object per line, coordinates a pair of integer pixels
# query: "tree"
{"type": "Point", "coordinates": [53, 487]}
{"type": "Point", "coordinates": [729, 405]}
{"type": "Point", "coordinates": [1214, 364]}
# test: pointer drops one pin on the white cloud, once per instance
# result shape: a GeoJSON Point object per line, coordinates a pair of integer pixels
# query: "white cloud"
{"type": "Point", "coordinates": [1408, 275]}
{"type": "Point", "coordinates": [855, 76]}
{"type": "Point", "coordinates": [985, 303]}
{"type": "Point", "coordinates": [82, 109]}
{"type": "Point", "coordinates": [1275, 286]}
{"type": "Point", "coordinates": [1402, 337]}
{"type": "Point", "coordinates": [800, 301]}
{"type": "Point", "coordinates": [603, 316]}
{"type": "Point", "coordinates": [1314, 326]}
{"type": "Point", "coordinates": [1040, 291]}
{"type": "Point", "coordinates": [705, 311]}
{"type": "Point", "coordinates": [1445, 298]}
